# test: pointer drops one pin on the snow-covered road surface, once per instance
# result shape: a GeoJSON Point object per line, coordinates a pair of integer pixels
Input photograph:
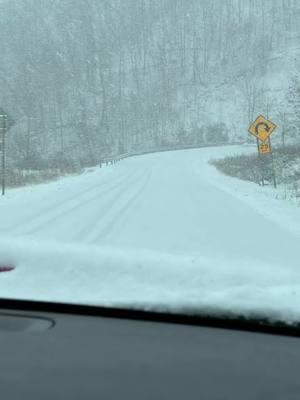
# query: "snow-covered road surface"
{"type": "Point", "coordinates": [163, 231]}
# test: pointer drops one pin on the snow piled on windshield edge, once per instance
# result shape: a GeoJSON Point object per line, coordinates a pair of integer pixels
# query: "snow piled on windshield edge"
{"type": "Point", "coordinates": [141, 279]}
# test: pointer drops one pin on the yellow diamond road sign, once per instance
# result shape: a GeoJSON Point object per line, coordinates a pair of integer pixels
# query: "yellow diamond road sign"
{"type": "Point", "coordinates": [262, 128]}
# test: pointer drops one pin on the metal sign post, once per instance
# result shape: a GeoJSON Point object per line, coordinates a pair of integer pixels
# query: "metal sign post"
{"type": "Point", "coordinates": [272, 161]}
{"type": "Point", "coordinates": [6, 122]}
{"type": "Point", "coordinates": [260, 161]}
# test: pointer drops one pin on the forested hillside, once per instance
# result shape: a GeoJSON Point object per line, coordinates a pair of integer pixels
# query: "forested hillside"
{"type": "Point", "coordinates": [89, 78]}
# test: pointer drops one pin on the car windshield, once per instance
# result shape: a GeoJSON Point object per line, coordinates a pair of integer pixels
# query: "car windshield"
{"type": "Point", "coordinates": [150, 155]}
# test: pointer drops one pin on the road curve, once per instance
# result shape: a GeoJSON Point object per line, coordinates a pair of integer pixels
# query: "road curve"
{"type": "Point", "coordinates": [161, 202]}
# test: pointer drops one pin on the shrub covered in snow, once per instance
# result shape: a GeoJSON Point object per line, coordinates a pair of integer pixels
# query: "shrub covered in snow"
{"type": "Point", "coordinates": [286, 162]}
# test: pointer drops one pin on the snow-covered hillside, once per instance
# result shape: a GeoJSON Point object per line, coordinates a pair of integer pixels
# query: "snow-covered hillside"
{"type": "Point", "coordinates": [113, 76]}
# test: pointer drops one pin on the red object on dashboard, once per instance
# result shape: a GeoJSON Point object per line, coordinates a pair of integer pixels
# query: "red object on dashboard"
{"type": "Point", "coordinates": [6, 268]}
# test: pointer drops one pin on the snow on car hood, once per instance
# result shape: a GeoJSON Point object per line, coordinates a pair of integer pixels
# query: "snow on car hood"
{"type": "Point", "coordinates": [143, 279]}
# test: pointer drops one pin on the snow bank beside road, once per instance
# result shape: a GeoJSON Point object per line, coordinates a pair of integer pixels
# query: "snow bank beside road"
{"type": "Point", "coordinates": [265, 200]}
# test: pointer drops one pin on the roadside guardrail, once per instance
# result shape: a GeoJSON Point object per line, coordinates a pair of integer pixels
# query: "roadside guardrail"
{"type": "Point", "coordinates": [118, 157]}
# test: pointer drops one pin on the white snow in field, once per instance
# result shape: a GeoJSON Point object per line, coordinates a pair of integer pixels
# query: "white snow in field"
{"type": "Point", "coordinates": [163, 231]}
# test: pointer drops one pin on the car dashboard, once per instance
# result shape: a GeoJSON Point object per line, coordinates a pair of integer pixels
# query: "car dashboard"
{"type": "Point", "coordinates": [51, 351]}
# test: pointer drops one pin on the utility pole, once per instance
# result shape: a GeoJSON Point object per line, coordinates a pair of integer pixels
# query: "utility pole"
{"type": "Point", "coordinates": [3, 118]}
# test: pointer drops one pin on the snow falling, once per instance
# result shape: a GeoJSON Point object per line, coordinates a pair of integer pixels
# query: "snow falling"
{"type": "Point", "coordinates": [166, 86]}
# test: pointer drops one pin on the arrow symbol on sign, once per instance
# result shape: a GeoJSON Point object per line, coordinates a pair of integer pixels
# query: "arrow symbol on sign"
{"type": "Point", "coordinates": [266, 127]}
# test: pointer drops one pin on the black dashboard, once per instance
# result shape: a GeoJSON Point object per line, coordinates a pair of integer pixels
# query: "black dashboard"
{"type": "Point", "coordinates": [49, 353]}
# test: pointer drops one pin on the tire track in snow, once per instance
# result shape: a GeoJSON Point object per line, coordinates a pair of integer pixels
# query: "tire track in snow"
{"type": "Point", "coordinates": [62, 212]}
{"type": "Point", "coordinates": [91, 218]}
{"type": "Point", "coordinates": [64, 206]}
{"type": "Point", "coordinates": [53, 207]}
{"type": "Point", "coordinates": [113, 218]}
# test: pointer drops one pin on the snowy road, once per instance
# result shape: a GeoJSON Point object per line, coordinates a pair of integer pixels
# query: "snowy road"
{"type": "Point", "coordinates": [162, 229]}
